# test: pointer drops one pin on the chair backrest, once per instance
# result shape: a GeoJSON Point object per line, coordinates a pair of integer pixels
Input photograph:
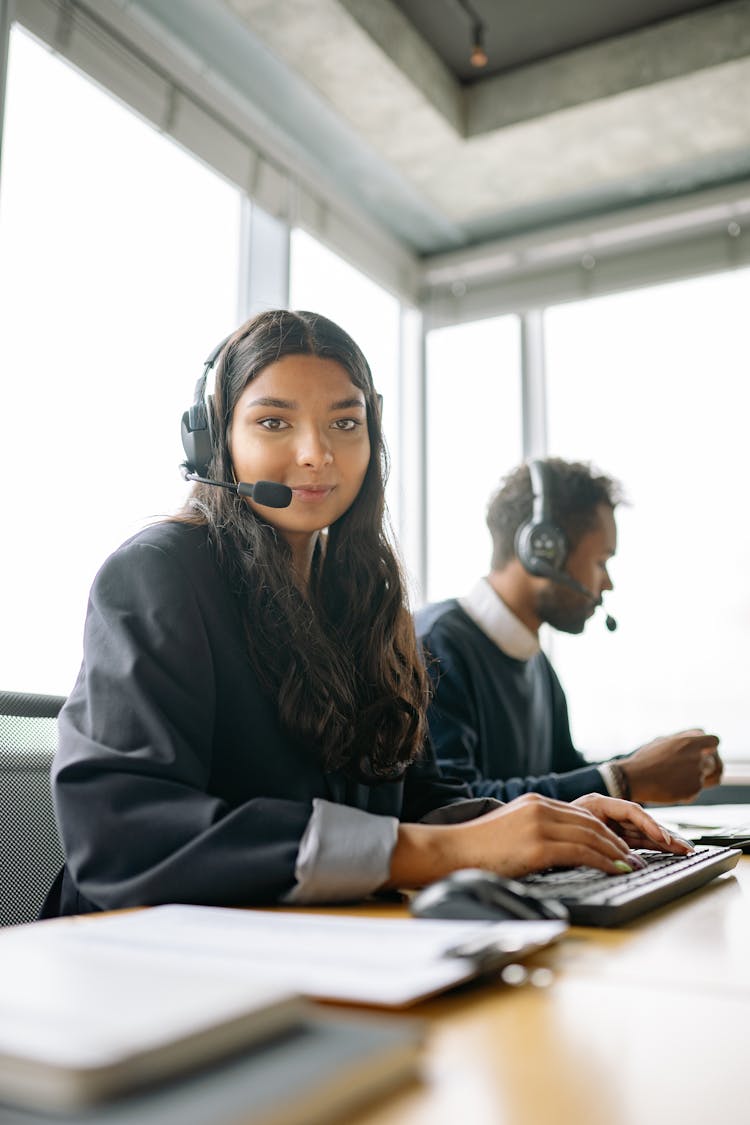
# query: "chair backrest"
{"type": "Point", "coordinates": [30, 851]}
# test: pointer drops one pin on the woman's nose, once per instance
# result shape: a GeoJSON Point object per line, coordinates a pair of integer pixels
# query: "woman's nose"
{"type": "Point", "coordinates": [314, 449]}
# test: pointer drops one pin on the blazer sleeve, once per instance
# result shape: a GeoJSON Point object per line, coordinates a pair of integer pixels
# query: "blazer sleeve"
{"type": "Point", "coordinates": [135, 753]}
{"type": "Point", "coordinates": [428, 788]}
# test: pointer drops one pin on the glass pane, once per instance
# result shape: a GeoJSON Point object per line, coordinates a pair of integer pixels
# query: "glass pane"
{"type": "Point", "coordinates": [322, 282]}
{"type": "Point", "coordinates": [652, 386]}
{"type": "Point", "coordinates": [118, 274]}
{"type": "Point", "coordinates": [474, 437]}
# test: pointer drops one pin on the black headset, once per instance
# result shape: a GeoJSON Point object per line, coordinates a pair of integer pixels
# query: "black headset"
{"type": "Point", "coordinates": [541, 545]}
{"type": "Point", "coordinates": [198, 440]}
{"type": "Point", "coordinates": [197, 421]}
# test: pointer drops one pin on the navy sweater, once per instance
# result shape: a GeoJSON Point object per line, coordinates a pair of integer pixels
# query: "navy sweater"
{"type": "Point", "coordinates": [498, 723]}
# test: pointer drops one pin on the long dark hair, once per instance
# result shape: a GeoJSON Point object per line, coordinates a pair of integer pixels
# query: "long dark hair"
{"type": "Point", "coordinates": [342, 664]}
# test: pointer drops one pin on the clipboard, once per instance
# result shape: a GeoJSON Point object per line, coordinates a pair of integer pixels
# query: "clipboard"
{"type": "Point", "coordinates": [375, 962]}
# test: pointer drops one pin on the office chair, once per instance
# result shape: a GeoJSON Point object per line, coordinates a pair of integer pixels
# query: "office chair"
{"type": "Point", "coordinates": [30, 851]}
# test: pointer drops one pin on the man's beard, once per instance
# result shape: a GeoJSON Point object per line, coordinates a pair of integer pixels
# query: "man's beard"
{"type": "Point", "coordinates": [563, 609]}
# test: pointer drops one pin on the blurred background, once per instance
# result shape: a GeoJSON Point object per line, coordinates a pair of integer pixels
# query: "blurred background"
{"type": "Point", "coordinates": [534, 219]}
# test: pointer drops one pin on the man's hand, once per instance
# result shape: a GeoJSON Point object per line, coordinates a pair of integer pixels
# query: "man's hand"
{"type": "Point", "coordinates": [673, 769]}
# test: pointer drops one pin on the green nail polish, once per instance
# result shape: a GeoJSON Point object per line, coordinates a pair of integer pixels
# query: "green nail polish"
{"type": "Point", "coordinates": [621, 865]}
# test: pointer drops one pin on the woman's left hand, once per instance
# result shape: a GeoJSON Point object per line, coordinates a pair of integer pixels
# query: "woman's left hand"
{"type": "Point", "coordinates": [633, 824]}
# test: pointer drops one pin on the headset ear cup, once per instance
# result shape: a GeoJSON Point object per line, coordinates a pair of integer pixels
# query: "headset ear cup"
{"type": "Point", "coordinates": [197, 428]}
{"type": "Point", "coordinates": [198, 436]}
{"type": "Point", "coordinates": [198, 447]}
{"type": "Point", "coordinates": [541, 548]}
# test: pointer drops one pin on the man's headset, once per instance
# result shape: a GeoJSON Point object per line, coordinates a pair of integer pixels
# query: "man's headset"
{"type": "Point", "coordinates": [198, 440]}
{"type": "Point", "coordinates": [542, 547]}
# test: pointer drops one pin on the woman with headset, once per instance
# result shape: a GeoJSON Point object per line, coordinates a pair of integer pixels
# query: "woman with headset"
{"type": "Point", "coordinates": [248, 724]}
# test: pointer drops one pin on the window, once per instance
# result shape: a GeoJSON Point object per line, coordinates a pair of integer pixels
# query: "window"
{"type": "Point", "coordinates": [652, 386]}
{"type": "Point", "coordinates": [473, 439]}
{"type": "Point", "coordinates": [322, 282]}
{"type": "Point", "coordinates": [118, 274]}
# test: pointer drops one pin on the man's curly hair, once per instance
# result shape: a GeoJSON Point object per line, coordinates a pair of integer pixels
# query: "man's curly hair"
{"type": "Point", "coordinates": [576, 490]}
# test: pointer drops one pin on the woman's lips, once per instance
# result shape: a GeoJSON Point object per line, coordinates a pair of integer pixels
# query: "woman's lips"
{"type": "Point", "coordinates": [313, 493]}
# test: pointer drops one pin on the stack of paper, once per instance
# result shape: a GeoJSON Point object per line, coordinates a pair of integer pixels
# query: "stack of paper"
{"type": "Point", "coordinates": [82, 1021]}
{"type": "Point", "coordinates": [181, 1015]}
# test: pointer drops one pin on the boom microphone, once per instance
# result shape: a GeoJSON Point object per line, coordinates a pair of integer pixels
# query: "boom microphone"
{"type": "Point", "coordinates": [268, 493]}
{"type": "Point", "coordinates": [564, 579]}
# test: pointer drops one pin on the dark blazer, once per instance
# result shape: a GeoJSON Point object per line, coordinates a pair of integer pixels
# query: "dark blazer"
{"type": "Point", "coordinates": [173, 781]}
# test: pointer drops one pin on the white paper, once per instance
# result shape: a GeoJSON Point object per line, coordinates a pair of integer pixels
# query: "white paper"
{"type": "Point", "coordinates": [389, 962]}
{"type": "Point", "coordinates": [688, 817]}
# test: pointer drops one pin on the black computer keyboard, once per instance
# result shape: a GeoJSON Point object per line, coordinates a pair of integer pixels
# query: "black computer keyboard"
{"type": "Point", "coordinates": [596, 899]}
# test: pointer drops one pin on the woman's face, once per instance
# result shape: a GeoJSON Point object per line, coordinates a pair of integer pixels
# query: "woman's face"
{"type": "Point", "coordinates": [302, 422]}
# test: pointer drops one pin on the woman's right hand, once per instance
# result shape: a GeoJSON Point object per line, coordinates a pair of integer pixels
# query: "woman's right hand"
{"type": "Point", "coordinates": [528, 834]}
{"type": "Point", "coordinates": [534, 832]}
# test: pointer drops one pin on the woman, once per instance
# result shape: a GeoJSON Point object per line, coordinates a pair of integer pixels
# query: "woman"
{"type": "Point", "coordinates": [248, 725]}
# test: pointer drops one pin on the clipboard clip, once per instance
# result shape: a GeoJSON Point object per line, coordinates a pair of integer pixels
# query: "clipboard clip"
{"type": "Point", "coordinates": [490, 950]}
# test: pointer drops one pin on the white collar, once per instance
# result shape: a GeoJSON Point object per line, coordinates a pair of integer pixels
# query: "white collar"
{"type": "Point", "coordinates": [487, 609]}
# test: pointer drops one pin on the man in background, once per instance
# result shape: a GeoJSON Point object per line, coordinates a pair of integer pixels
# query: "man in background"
{"type": "Point", "coordinates": [499, 717]}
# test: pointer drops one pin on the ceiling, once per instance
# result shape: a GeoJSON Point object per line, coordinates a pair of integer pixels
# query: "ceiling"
{"type": "Point", "coordinates": [515, 34]}
{"type": "Point", "coordinates": [583, 108]}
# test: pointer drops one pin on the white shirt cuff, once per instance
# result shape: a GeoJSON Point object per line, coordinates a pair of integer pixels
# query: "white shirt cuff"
{"type": "Point", "coordinates": [609, 779]}
{"type": "Point", "coordinates": [344, 854]}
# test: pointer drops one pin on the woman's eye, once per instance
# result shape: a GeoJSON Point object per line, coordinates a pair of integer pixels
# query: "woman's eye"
{"type": "Point", "coordinates": [346, 424]}
{"type": "Point", "coordinates": [273, 423]}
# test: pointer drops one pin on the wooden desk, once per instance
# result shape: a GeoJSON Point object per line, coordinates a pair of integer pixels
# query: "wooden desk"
{"type": "Point", "coordinates": [618, 1038]}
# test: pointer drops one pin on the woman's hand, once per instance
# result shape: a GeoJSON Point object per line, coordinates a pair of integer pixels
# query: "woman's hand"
{"type": "Point", "coordinates": [632, 824]}
{"type": "Point", "coordinates": [530, 834]}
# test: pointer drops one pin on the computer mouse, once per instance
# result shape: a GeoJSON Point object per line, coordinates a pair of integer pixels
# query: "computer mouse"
{"type": "Point", "coordinates": [477, 894]}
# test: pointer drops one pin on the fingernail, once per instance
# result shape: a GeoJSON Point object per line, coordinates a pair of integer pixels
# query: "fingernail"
{"type": "Point", "coordinates": [637, 861]}
{"type": "Point", "coordinates": [666, 837]}
{"type": "Point", "coordinates": [622, 866]}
